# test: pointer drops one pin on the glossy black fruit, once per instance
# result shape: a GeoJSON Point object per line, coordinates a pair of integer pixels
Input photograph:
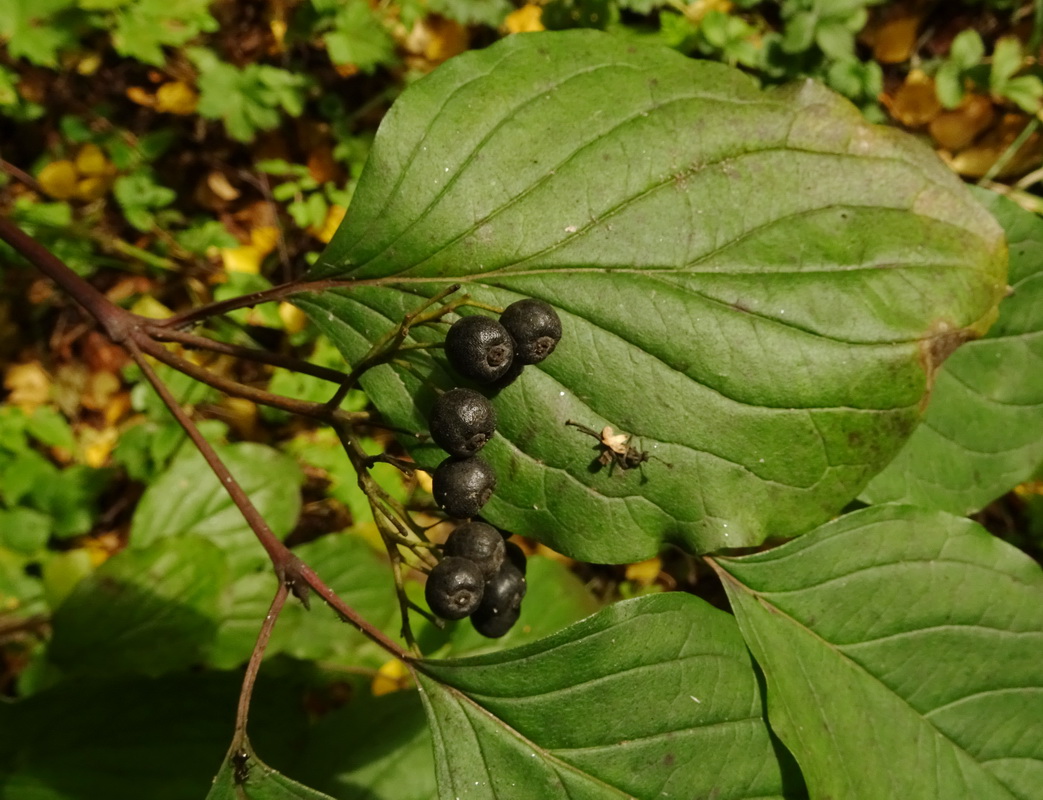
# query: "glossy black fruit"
{"type": "Point", "coordinates": [454, 588]}
{"type": "Point", "coordinates": [515, 555]}
{"type": "Point", "coordinates": [461, 486]}
{"type": "Point", "coordinates": [479, 348]}
{"type": "Point", "coordinates": [479, 543]}
{"type": "Point", "coordinates": [535, 328]}
{"type": "Point", "coordinates": [501, 602]}
{"type": "Point", "coordinates": [462, 421]}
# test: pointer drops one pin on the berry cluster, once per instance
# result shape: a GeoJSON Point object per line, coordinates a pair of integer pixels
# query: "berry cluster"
{"type": "Point", "coordinates": [480, 575]}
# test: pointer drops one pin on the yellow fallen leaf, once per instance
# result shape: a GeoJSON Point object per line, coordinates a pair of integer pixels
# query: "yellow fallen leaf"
{"type": "Point", "coordinates": [246, 258]}
{"type": "Point", "coordinates": [956, 129]}
{"type": "Point", "coordinates": [393, 676]}
{"type": "Point", "coordinates": [264, 238]}
{"type": "Point", "coordinates": [140, 96]}
{"type": "Point", "coordinates": [644, 573]}
{"type": "Point", "coordinates": [98, 446]}
{"type": "Point", "coordinates": [915, 103]}
{"type": "Point", "coordinates": [59, 179]}
{"type": "Point", "coordinates": [448, 38]}
{"type": "Point", "coordinates": [176, 97]}
{"type": "Point", "coordinates": [325, 231]}
{"type": "Point", "coordinates": [91, 161]}
{"type": "Point", "coordinates": [293, 319]}
{"type": "Point", "coordinates": [895, 40]}
{"type": "Point", "coordinates": [526, 19]}
{"type": "Point", "coordinates": [29, 386]}
{"type": "Point", "coordinates": [89, 64]}
{"type": "Point", "coordinates": [88, 189]}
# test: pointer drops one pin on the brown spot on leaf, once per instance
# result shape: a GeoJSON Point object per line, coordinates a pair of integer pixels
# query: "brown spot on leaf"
{"type": "Point", "coordinates": [940, 343]}
{"type": "Point", "coordinates": [669, 759]}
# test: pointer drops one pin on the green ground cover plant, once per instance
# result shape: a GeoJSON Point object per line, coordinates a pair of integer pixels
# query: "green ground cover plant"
{"type": "Point", "coordinates": [798, 369]}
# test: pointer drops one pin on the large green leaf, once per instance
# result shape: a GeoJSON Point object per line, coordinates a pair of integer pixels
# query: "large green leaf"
{"type": "Point", "coordinates": [903, 650]}
{"type": "Point", "coordinates": [150, 610]}
{"type": "Point", "coordinates": [343, 758]}
{"type": "Point", "coordinates": [188, 498]}
{"type": "Point", "coordinates": [757, 284]}
{"type": "Point", "coordinates": [136, 738]}
{"type": "Point", "coordinates": [654, 697]}
{"type": "Point", "coordinates": [983, 431]}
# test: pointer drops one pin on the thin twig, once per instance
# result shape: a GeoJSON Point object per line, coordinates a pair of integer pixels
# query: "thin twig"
{"type": "Point", "coordinates": [253, 666]}
{"type": "Point", "coordinates": [194, 342]}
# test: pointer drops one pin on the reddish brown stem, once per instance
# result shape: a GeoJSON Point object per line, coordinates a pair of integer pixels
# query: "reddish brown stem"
{"type": "Point", "coordinates": [190, 340]}
{"type": "Point", "coordinates": [253, 666]}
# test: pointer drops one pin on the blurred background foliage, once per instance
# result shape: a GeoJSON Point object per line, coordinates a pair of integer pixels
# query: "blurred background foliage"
{"type": "Point", "coordinates": [181, 151]}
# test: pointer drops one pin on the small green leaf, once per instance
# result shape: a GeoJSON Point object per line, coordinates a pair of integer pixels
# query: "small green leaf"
{"type": "Point", "coordinates": [903, 651]}
{"type": "Point", "coordinates": [1006, 60]}
{"type": "Point", "coordinates": [1025, 92]}
{"type": "Point", "coordinates": [613, 706]}
{"type": "Point", "coordinates": [983, 431]}
{"type": "Point", "coordinates": [149, 610]}
{"type": "Point", "coordinates": [188, 499]}
{"type": "Point", "coordinates": [759, 306]}
{"type": "Point", "coordinates": [967, 49]}
{"type": "Point", "coordinates": [243, 774]}
{"type": "Point", "coordinates": [359, 38]}
{"type": "Point", "coordinates": [24, 531]}
{"type": "Point", "coordinates": [948, 83]}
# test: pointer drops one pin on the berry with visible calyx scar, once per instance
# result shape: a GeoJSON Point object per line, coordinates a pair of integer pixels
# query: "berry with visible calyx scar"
{"type": "Point", "coordinates": [501, 602]}
{"type": "Point", "coordinates": [461, 486]}
{"type": "Point", "coordinates": [479, 543]}
{"type": "Point", "coordinates": [462, 421]}
{"type": "Point", "coordinates": [454, 588]}
{"type": "Point", "coordinates": [535, 328]}
{"type": "Point", "coordinates": [479, 348]}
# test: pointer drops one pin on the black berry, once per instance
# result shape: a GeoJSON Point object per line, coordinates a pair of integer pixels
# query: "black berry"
{"type": "Point", "coordinates": [479, 348]}
{"type": "Point", "coordinates": [500, 606]}
{"type": "Point", "coordinates": [515, 555]}
{"type": "Point", "coordinates": [462, 421]}
{"type": "Point", "coordinates": [479, 543]}
{"type": "Point", "coordinates": [535, 328]}
{"type": "Point", "coordinates": [454, 588]}
{"type": "Point", "coordinates": [461, 486]}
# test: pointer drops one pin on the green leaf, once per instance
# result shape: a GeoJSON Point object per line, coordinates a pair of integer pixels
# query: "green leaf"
{"type": "Point", "coordinates": [967, 49]}
{"type": "Point", "coordinates": [38, 30]}
{"type": "Point", "coordinates": [344, 758]}
{"type": "Point", "coordinates": [1006, 60]}
{"type": "Point", "coordinates": [204, 235]}
{"type": "Point", "coordinates": [650, 697]}
{"type": "Point", "coordinates": [350, 567]}
{"type": "Point", "coordinates": [248, 99]}
{"type": "Point", "coordinates": [136, 738]}
{"type": "Point", "coordinates": [24, 530]}
{"type": "Point", "coordinates": [139, 195]}
{"type": "Point", "coordinates": [142, 30]}
{"type": "Point", "coordinates": [760, 305]}
{"type": "Point", "coordinates": [149, 611]}
{"type": "Point", "coordinates": [359, 38]}
{"type": "Point", "coordinates": [1025, 92]}
{"type": "Point", "coordinates": [948, 83]}
{"type": "Point", "coordinates": [49, 427]}
{"type": "Point", "coordinates": [189, 499]}
{"type": "Point", "coordinates": [983, 431]}
{"type": "Point", "coordinates": [903, 650]}
{"type": "Point", "coordinates": [243, 774]}
{"type": "Point", "coordinates": [473, 12]}
{"type": "Point", "coordinates": [20, 594]}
